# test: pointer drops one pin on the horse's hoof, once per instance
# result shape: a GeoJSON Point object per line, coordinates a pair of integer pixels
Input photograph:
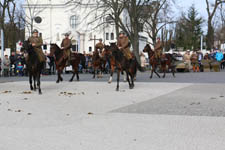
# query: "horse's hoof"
{"type": "Point", "coordinates": [109, 82]}
{"type": "Point", "coordinates": [132, 86]}
{"type": "Point", "coordinates": [150, 77]}
{"type": "Point", "coordinates": [117, 89]}
{"type": "Point", "coordinates": [78, 79]}
{"type": "Point", "coordinates": [163, 76]}
{"type": "Point", "coordinates": [57, 81]}
{"type": "Point", "coordinates": [40, 93]}
{"type": "Point", "coordinates": [70, 80]}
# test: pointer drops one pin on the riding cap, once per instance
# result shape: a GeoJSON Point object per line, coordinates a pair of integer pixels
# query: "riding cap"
{"type": "Point", "coordinates": [35, 31]}
{"type": "Point", "coordinates": [66, 34]}
{"type": "Point", "coordinates": [121, 32]}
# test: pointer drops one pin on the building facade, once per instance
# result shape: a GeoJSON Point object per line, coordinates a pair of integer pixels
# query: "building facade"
{"type": "Point", "coordinates": [54, 18]}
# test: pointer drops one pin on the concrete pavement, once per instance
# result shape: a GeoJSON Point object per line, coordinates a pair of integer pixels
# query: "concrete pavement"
{"type": "Point", "coordinates": [92, 115]}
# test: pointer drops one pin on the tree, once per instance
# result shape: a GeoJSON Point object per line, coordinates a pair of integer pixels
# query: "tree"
{"type": "Point", "coordinates": [189, 30]}
{"type": "Point", "coordinates": [211, 10]}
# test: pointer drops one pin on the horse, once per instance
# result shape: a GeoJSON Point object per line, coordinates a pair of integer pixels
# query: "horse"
{"type": "Point", "coordinates": [166, 60]}
{"type": "Point", "coordinates": [122, 63]}
{"type": "Point", "coordinates": [34, 66]}
{"type": "Point", "coordinates": [98, 63]}
{"type": "Point", "coordinates": [60, 62]}
{"type": "Point", "coordinates": [111, 60]}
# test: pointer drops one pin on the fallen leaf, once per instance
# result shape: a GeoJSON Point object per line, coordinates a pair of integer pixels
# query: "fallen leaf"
{"type": "Point", "coordinates": [90, 113]}
{"type": "Point", "coordinates": [29, 113]}
{"type": "Point", "coordinates": [18, 110]}
{"type": "Point", "coordinates": [7, 92]}
{"type": "Point", "coordinates": [27, 92]}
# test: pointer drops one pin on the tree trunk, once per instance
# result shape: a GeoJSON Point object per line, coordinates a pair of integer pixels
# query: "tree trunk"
{"type": "Point", "coordinates": [210, 35]}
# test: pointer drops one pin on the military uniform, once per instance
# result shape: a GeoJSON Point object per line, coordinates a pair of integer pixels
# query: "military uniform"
{"type": "Point", "coordinates": [66, 44]}
{"type": "Point", "coordinates": [38, 43]}
{"type": "Point", "coordinates": [158, 50]}
{"type": "Point", "coordinates": [99, 46]}
{"type": "Point", "coordinates": [123, 42]}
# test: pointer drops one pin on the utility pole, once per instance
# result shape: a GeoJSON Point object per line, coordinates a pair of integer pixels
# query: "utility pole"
{"type": "Point", "coordinates": [2, 50]}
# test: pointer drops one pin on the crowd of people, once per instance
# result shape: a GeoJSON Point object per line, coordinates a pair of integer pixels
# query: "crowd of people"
{"type": "Point", "coordinates": [196, 60]}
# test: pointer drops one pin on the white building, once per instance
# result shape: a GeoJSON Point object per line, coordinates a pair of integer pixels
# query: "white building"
{"type": "Point", "coordinates": [54, 18]}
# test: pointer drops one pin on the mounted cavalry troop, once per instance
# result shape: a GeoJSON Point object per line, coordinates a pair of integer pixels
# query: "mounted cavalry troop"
{"type": "Point", "coordinates": [117, 56]}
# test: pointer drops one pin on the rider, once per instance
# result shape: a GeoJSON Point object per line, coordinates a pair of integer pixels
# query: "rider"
{"type": "Point", "coordinates": [124, 45]}
{"type": "Point", "coordinates": [37, 42]}
{"type": "Point", "coordinates": [158, 49]}
{"type": "Point", "coordinates": [99, 46]}
{"type": "Point", "coordinates": [66, 45]}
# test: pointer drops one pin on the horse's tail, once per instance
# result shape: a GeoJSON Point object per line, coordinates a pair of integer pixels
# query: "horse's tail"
{"type": "Point", "coordinates": [141, 69]}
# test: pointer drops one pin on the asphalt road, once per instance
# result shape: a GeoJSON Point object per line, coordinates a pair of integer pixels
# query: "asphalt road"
{"type": "Point", "coordinates": [189, 77]}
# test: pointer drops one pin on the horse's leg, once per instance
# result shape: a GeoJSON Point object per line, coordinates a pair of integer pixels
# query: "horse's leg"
{"type": "Point", "coordinates": [94, 69]}
{"type": "Point", "coordinates": [153, 68]}
{"type": "Point", "coordinates": [78, 78]}
{"type": "Point", "coordinates": [111, 74]}
{"type": "Point", "coordinates": [128, 79]}
{"type": "Point", "coordinates": [157, 73]}
{"type": "Point", "coordinates": [132, 80]}
{"type": "Point", "coordinates": [39, 83]}
{"type": "Point", "coordinates": [76, 71]}
{"type": "Point", "coordinates": [72, 77]}
{"type": "Point", "coordinates": [57, 77]}
{"type": "Point", "coordinates": [35, 77]}
{"type": "Point", "coordinates": [118, 79]}
{"type": "Point", "coordinates": [30, 79]}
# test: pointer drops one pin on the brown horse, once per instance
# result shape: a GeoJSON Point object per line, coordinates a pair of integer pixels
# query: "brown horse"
{"type": "Point", "coordinates": [166, 60]}
{"type": "Point", "coordinates": [112, 63]}
{"type": "Point", "coordinates": [98, 63]}
{"type": "Point", "coordinates": [122, 63]}
{"type": "Point", "coordinates": [60, 62]}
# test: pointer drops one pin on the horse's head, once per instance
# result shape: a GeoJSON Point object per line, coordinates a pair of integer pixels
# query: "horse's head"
{"type": "Point", "coordinates": [147, 48]}
{"type": "Point", "coordinates": [27, 47]}
{"type": "Point", "coordinates": [54, 48]}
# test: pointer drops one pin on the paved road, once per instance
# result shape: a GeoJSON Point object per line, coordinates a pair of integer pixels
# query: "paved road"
{"type": "Point", "coordinates": [186, 112]}
{"type": "Point", "coordinates": [202, 77]}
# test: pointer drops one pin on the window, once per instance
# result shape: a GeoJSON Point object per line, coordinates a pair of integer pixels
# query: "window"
{"type": "Point", "coordinates": [74, 47]}
{"type": "Point", "coordinates": [112, 36]}
{"type": "Point", "coordinates": [107, 36]}
{"type": "Point", "coordinates": [90, 49]}
{"type": "Point", "coordinates": [45, 47]}
{"type": "Point", "coordinates": [73, 21]}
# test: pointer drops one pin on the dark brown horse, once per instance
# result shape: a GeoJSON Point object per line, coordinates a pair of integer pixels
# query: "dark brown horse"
{"type": "Point", "coordinates": [123, 64]}
{"type": "Point", "coordinates": [60, 62]}
{"type": "Point", "coordinates": [34, 66]}
{"type": "Point", "coordinates": [98, 63]}
{"type": "Point", "coordinates": [112, 62]}
{"type": "Point", "coordinates": [166, 60]}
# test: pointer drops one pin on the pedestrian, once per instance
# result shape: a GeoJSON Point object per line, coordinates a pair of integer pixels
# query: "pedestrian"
{"type": "Point", "coordinates": [194, 61]}
{"type": "Point", "coordinates": [6, 66]}
{"type": "Point", "coordinates": [187, 59]}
